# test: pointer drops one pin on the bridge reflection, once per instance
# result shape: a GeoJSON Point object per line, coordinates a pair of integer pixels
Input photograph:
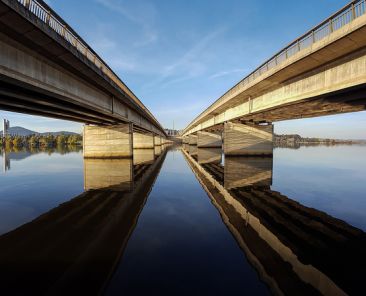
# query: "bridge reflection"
{"type": "Point", "coordinates": [74, 248]}
{"type": "Point", "coordinates": [295, 249]}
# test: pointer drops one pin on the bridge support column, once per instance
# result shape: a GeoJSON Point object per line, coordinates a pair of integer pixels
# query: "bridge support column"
{"type": "Point", "coordinates": [209, 140]}
{"type": "Point", "coordinates": [157, 141]}
{"type": "Point", "coordinates": [243, 139]}
{"type": "Point", "coordinates": [143, 141]}
{"type": "Point", "coordinates": [114, 141]}
{"type": "Point", "coordinates": [192, 139]}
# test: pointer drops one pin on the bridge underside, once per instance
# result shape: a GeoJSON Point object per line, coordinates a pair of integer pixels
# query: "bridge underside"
{"type": "Point", "coordinates": [43, 73]}
{"type": "Point", "coordinates": [244, 135]}
{"type": "Point", "coordinates": [325, 78]}
{"type": "Point", "coordinates": [344, 101]}
{"type": "Point", "coordinates": [24, 98]}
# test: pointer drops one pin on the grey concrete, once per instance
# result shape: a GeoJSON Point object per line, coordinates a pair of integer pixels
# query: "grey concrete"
{"type": "Point", "coordinates": [42, 73]}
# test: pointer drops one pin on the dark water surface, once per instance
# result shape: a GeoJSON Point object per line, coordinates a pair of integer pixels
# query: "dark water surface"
{"type": "Point", "coordinates": [183, 222]}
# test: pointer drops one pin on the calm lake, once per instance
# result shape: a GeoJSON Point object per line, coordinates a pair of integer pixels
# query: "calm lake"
{"type": "Point", "coordinates": [183, 221]}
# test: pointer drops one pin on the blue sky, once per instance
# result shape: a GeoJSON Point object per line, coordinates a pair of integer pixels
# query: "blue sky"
{"type": "Point", "coordinates": [178, 56]}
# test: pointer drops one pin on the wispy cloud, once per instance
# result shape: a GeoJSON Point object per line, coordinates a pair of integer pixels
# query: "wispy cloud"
{"type": "Point", "coordinates": [192, 55]}
{"type": "Point", "coordinates": [118, 57]}
{"type": "Point", "coordinates": [190, 64]}
{"type": "Point", "coordinates": [225, 73]}
{"type": "Point", "coordinates": [141, 13]}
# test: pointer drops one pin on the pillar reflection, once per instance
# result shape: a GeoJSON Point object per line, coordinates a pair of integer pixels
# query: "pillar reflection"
{"type": "Point", "coordinates": [193, 149]}
{"type": "Point", "coordinates": [143, 156]}
{"type": "Point", "coordinates": [157, 150]}
{"type": "Point", "coordinates": [247, 171]}
{"type": "Point", "coordinates": [209, 155]}
{"type": "Point", "coordinates": [114, 174]}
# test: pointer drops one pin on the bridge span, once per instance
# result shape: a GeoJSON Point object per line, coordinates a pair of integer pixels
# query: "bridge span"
{"type": "Point", "coordinates": [322, 72]}
{"type": "Point", "coordinates": [47, 69]}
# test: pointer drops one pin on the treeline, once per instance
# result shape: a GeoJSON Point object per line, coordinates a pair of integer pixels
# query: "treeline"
{"type": "Point", "coordinates": [301, 140]}
{"type": "Point", "coordinates": [59, 149]}
{"type": "Point", "coordinates": [296, 141]}
{"type": "Point", "coordinates": [49, 140]}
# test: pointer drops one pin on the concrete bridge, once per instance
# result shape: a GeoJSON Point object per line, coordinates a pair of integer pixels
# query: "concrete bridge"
{"type": "Point", "coordinates": [322, 72]}
{"type": "Point", "coordinates": [295, 249]}
{"type": "Point", "coordinates": [47, 69]}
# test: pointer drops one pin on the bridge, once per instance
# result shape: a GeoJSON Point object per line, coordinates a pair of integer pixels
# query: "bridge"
{"type": "Point", "coordinates": [47, 69]}
{"type": "Point", "coordinates": [322, 72]}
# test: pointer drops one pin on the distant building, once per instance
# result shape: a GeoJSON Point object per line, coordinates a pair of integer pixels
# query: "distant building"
{"type": "Point", "coordinates": [6, 126]}
{"type": "Point", "coordinates": [172, 132]}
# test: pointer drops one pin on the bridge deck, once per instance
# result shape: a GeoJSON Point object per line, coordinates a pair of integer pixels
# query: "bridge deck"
{"type": "Point", "coordinates": [47, 69]}
{"type": "Point", "coordinates": [322, 72]}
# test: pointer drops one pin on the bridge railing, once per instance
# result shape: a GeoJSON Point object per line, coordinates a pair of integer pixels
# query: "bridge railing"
{"type": "Point", "coordinates": [343, 17]}
{"type": "Point", "coordinates": [45, 14]}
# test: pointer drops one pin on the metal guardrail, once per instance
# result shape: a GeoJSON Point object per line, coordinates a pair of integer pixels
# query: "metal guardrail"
{"type": "Point", "coordinates": [341, 18]}
{"type": "Point", "coordinates": [45, 14]}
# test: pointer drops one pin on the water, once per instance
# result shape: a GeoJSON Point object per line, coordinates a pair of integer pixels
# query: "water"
{"type": "Point", "coordinates": [183, 222]}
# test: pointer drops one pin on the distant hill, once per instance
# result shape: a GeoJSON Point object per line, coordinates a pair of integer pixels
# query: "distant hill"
{"type": "Point", "coordinates": [59, 133]}
{"type": "Point", "coordinates": [21, 131]}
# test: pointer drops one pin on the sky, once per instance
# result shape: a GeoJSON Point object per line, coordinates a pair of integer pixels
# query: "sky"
{"type": "Point", "coordinates": [179, 56]}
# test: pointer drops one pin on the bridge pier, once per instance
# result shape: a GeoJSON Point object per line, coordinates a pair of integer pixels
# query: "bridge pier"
{"type": "Point", "coordinates": [192, 139]}
{"type": "Point", "coordinates": [209, 140]}
{"type": "Point", "coordinates": [245, 139]}
{"type": "Point", "coordinates": [185, 139]}
{"type": "Point", "coordinates": [114, 141]}
{"type": "Point", "coordinates": [157, 141]}
{"type": "Point", "coordinates": [143, 140]}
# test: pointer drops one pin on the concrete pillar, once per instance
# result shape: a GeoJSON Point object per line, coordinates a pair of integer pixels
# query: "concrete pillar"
{"type": "Point", "coordinates": [157, 140]}
{"type": "Point", "coordinates": [143, 141]}
{"type": "Point", "coordinates": [243, 139]}
{"type": "Point", "coordinates": [185, 140]}
{"type": "Point", "coordinates": [114, 141]}
{"type": "Point", "coordinates": [192, 139]}
{"type": "Point", "coordinates": [246, 171]}
{"type": "Point", "coordinates": [209, 140]}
